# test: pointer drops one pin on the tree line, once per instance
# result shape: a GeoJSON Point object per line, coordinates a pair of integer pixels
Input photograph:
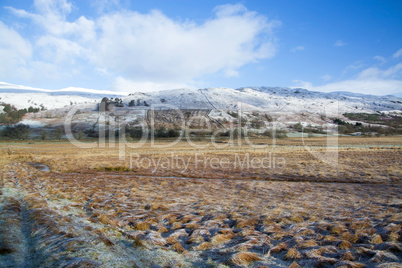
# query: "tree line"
{"type": "Point", "coordinates": [12, 115]}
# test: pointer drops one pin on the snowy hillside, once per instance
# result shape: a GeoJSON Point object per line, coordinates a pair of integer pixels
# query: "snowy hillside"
{"type": "Point", "coordinates": [24, 97]}
{"type": "Point", "coordinates": [218, 106]}
{"type": "Point", "coordinates": [281, 100]}
{"type": "Point", "coordinates": [269, 99]}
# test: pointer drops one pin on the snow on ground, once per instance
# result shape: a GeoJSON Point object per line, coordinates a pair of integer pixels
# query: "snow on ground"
{"type": "Point", "coordinates": [24, 97]}
{"type": "Point", "coordinates": [36, 100]}
{"type": "Point", "coordinates": [280, 102]}
{"type": "Point", "coordinates": [32, 123]}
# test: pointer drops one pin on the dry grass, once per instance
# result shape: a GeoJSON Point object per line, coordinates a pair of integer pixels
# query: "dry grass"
{"type": "Point", "coordinates": [244, 258]}
{"type": "Point", "coordinates": [294, 265]}
{"type": "Point", "coordinates": [234, 217]}
{"type": "Point", "coordinates": [221, 238]}
{"type": "Point", "coordinates": [292, 254]}
{"type": "Point", "coordinates": [204, 246]}
{"type": "Point", "coordinates": [345, 245]}
{"type": "Point", "coordinates": [360, 160]}
{"type": "Point", "coordinates": [376, 240]}
{"type": "Point", "coordinates": [307, 244]}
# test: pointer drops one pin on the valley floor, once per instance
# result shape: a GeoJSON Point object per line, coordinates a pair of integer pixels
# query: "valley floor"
{"type": "Point", "coordinates": [280, 205]}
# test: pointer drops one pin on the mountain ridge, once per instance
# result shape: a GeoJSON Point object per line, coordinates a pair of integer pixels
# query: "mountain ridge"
{"type": "Point", "coordinates": [250, 98]}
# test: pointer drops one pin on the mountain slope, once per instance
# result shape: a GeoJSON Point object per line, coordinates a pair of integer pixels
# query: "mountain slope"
{"type": "Point", "coordinates": [269, 99]}
{"type": "Point", "coordinates": [283, 100]}
{"type": "Point", "coordinates": [23, 97]}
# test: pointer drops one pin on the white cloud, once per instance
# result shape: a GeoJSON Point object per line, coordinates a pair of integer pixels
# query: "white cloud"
{"type": "Point", "coordinates": [352, 68]}
{"type": "Point", "coordinates": [393, 71]}
{"type": "Point", "coordinates": [155, 47]}
{"type": "Point", "coordinates": [298, 48]}
{"type": "Point", "coordinates": [17, 59]}
{"type": "Point", "coordinates": [380, 59]}
{"type": "Point", "coordinates": [231, 73]}
{"type": "Point", "coordinates": [125, 85]}
{"type": "Point", "coordinates": [229, 10]}
{"type": "Point", "coordinates": [398, 53]}
{"type": "Point", "coordinates": [52, 17]}
{"type": "Point", "coordinates": [104, 5]}
{"type": "Point", "coordinates": [302, 84]}
{"type": "Point", "coordinates": [356, 65]}
{"type": "Point", "coordinates": [376, 73]}
{"type": "Point", "coordinates": [373, 86]}
{"type": "Point", "coordinates": [339, 43]}
{"type": "Point", "coordinates": [58, 50]}
{"type": "Point", "coordinates": [151, 47]}
{"type": "Point", "coordinates": [369, 81]}
{"type": "Point", "coordinates": [15, 52]}
{"type": "Point", "coordinates": [326, 77]}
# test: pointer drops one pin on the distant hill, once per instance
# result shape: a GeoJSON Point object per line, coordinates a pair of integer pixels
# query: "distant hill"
{"type": "Point", "coordinates": [273, 99]}
{"type": "Point", "coordinates": [219, 106]}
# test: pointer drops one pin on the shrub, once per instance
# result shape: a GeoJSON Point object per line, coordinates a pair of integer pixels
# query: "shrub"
{"type": "Point", "coordinates": [43, 134]}
{"type": "Point", "coordinates": [58, 133]}
{"type": "Point", "coordinates": [19, 131]}
{"type": "Point", "coordinates": [12, 115]}
{"type": "Point", "coordinates": [279, 134]}
{"type": "Point", "coordinates": [233, 114]}
{"type": "Point", "coordinates": [244, 258]}
{"type": "Point", "coordinates": [292, 254]}
{"type": "Point", "coordinates": [80, 135]}
{"type": "Point", "coordinates": [256, 123]}
{"type": "Point", "coordinates": [239, 133]}
{"type": "Point", "coordinates": [163, 132]}
{"type": "Point", "coordinates": [347, 128]}
{"type": "Point", "coordinates": [173, 133]}
{"type": "Point", "coordinates": [298, 127]}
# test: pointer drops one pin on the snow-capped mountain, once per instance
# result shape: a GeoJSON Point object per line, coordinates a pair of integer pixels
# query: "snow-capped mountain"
{"type": "Point", "coordinates": [24, 97]}
{"type": "Point", "coordinates": [286, 106]}
{"type": "Point", "coordinates": [269, 99]}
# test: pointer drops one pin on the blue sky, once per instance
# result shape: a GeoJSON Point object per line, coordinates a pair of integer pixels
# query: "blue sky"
{"type": "Point", "coordinates": [131, 46]}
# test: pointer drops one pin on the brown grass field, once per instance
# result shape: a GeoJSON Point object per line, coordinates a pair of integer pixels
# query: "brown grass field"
{"type": "Point", "coordinates": [183, 206]}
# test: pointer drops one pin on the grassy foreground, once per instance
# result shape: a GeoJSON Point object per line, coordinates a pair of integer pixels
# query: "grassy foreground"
{"type": "Point", "coordinates": [184, 206]}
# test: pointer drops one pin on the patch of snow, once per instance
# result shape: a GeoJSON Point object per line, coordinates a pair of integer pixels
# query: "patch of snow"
{"type": "Point", "coordinates": [32, 123]}
{"type": "Point", "coordinates": [290, 103]}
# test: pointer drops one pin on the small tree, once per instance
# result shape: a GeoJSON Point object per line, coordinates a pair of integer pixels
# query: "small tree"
{"type": "Point", "coordinates": [278, 134]}
{"type": "Point", "coordinates": [80, 135]}
{"type": "Point", "coordinates": [134, 132]}
{"type": "Point", "coordinates": [255, 123]}
{"type": "Point", "coordinates": [161, 132]}
{"type": "Point", "coordinates": [43, 134]}
{"type": "Point", "coordinates": [58, 133]}
{"type": "Point", "coordinates": [239, 133]}
{"type": "Point", "coordinates": [172, 133]}
{"type": "Point", "coordinates": [19, 131]}
{"type": "Point", "coordinates": [9, 108]}
{"type": "Point", "coordinates": [33, 110]}
{"type": "Point", "coordinates": [118, 102]}
{"type": "Point", "coordinates": [298, 127]}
